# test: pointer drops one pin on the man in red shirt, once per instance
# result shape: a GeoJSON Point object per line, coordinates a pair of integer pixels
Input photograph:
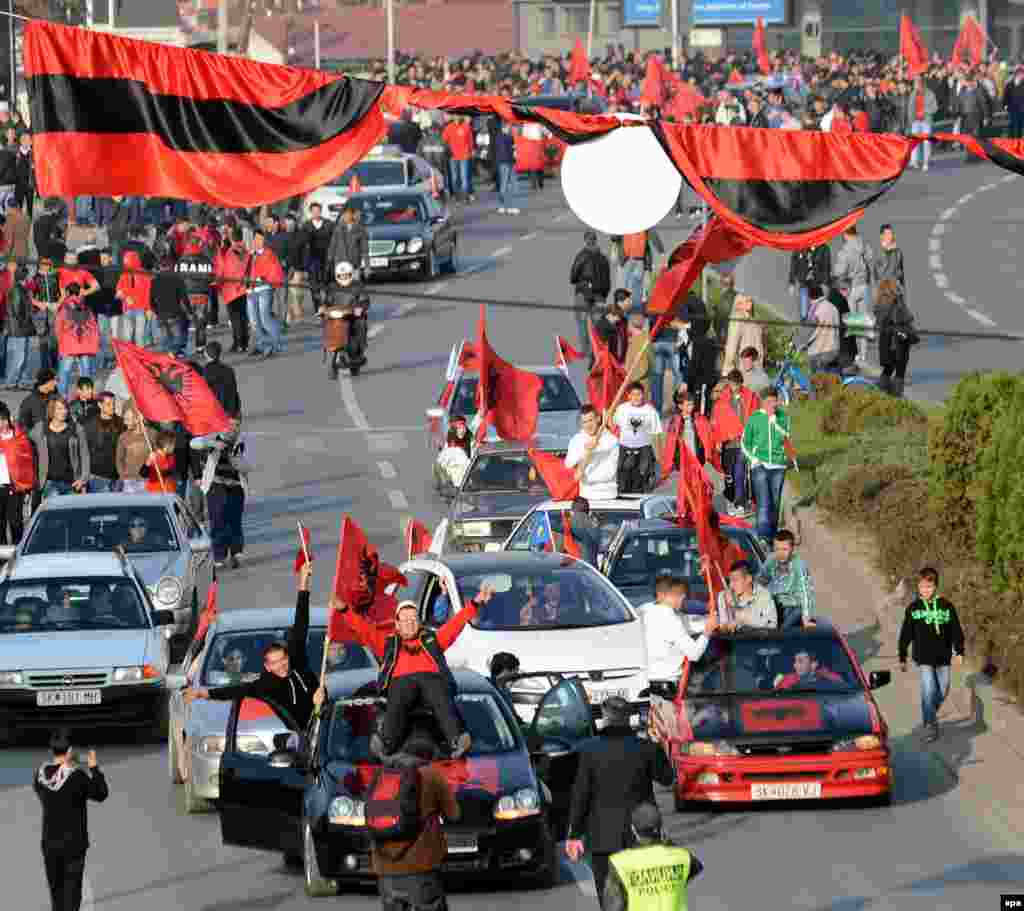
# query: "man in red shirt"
{"type": "Point", "coordinates": [72, 274]}
{"type": "Point", "coordinates": [414, 672]}
{"type": "Point", "coordinates": [264, 274]}
{"type": "Point", "coordinates": [458, 136]}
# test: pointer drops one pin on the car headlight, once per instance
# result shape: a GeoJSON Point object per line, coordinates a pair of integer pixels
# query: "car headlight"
{"type": "Point", "coordinates": [523, 803]}
{"type": "Point", "coordinates": [476, 529]}
{"type": "Point", "coordinates": [345, 811]}
{"type": "Point", "coordinates": [168, 590]}
{"type": "Point", "coordinates": [136, 674]}
{"type": "Point", "coordinates": [415, 245]}
{"type": "Point", "coordinates": [853, 744]}
{"type": "Point", "coordinates": [12, 678]}
{"type": "Point", "coordinates": [708, 748]}
{"type": "Point", "coordinates": [400, 247]}
{"type": "Point", "coordinates": [212, 746]}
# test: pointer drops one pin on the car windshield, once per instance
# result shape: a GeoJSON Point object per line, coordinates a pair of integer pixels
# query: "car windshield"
{"type": "Point", "coordinates": [566, 596]}
{"type": "Point", "coordinates": [353, 722]}
{"type": "Point", "coordinates": [237, 657]}
{"type": "Point", "coordinates": [373, 174]}
{"type": "Point", "coordinates": [557, 394]}
{"type": "Point", "coordinates": [138, 529]}
{"type": "Point", "coordinates": [798, 664]}
{"type": "Point", "coordinates": [71, 605]}
{"type": "Point", "coordinates": [391, 210]}
{"type": "Point", "coordinates": [643, 557]}
{"type": "Point", "coordinates": [507, 472]}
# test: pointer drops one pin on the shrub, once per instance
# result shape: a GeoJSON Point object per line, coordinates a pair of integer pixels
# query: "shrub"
{"type": "Point", "coordinates": [852, 409]}
{"type": "Point", "coordinates": [854, 495]}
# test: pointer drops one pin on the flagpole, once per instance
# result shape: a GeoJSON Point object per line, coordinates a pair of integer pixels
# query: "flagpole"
{"type": "Point", "coordinates": [302, 541]}
{"type": "Point", "coordinates": [590, 32]}
{"type": "Point", "coordinates": [629, 376]}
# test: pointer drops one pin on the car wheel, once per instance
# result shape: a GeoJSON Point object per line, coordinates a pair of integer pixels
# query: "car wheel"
{"type": "Point", "coordinates": [193, 803]}
{"type": "Point", "coordinates": [315, 885]}
{"type": "Point", "coordinates": [881, 801]}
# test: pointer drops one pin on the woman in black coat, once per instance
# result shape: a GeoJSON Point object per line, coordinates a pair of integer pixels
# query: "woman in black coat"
{"type": "Point", "coordinates": [896, 336]}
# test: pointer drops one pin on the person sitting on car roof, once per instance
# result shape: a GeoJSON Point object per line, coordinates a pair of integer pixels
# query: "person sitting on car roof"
{"type": "Point", "coordinates": [745, 604]}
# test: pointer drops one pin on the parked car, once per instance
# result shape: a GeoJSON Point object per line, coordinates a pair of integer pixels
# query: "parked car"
{"type": "Point", "coordinates": [306, 798]}
{"type": "Point", "coordinates": [232, 652]}
{"type": "Point", "coordinates": [81, 645]}
{"type": "Point", "coordinates": [779, 715]}
{"type": "Point", "coordinates": [166, 545]}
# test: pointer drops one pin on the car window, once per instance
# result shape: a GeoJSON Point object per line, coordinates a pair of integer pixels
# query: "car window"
{"type": "Point", "coordinates": [390, 210]}
{"type": "Point", "coordinates": [645, 556]}
{"type": "Point", "coordinates": [569, 596]}
{"type": "Point", "coordinates": [504, 472]}
{"type": "Point", "coordinates": [373, 174]}
{"type": "Point", "coordinates": [71, 605]}
{"type": "Point", "coordinates": [464, 396]}
{"type": "Point", "coordinates": [772, 665]}
{"type": "Point", "coordinates": [556, 394]}
{"type": "Point", "coordinates": [138, 529]}
{"type": "Point", "coordinates": [259, 722]}
{"type": "Point", "coordinates": [354, 720]}
{"type": "Point", "coordinates": [564, 714]}
{"type": "Point", "coordinates": [192, 528]}
{"type": "Point", "coordinates": [237, 656]}
{"type": "Point", "coordinates": [532, 533]}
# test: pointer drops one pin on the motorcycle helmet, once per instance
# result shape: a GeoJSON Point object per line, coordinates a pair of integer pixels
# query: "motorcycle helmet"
{"type": "Point", "coordinates": [344, 272]}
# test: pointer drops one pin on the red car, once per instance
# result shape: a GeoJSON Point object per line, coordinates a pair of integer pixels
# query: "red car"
{"type": "Point", "coordinates": [777, 715]}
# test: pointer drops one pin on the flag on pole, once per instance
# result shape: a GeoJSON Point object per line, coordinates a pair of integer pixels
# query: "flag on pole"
{"type": "Point", "coordinates": [417, 538]}
{"type": "Point", "coordinates": [560, 481]}
{"type": "Point", "coordinates": [579, 65]}
{"type": "Point", "coordinates": [565, 355]}
{"type": "Point", "coordinates": [305, 553]}
{"type": "Point", "coordinates": [353, 551]}
{"type": "Point", "coordinates": [764, 61]}
{"type": "Point", "coordinates": [569, 543]}
{"type": "Point", "coordinates": [970, 43]}
{"type": "Point", "coordinates": [912, 49]}
{"type": "Point", "coordinates": [509, 398]}
{"type": "Point", "coordinates": [209, 613]}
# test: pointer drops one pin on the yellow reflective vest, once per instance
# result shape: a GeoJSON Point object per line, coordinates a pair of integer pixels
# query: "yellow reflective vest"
{"type": "Point", "coordinates": [654, 878]}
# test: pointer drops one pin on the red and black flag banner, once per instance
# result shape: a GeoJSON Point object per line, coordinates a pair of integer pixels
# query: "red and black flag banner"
{"type": "Point", "coordinates": [1007, 154]}
{"type": "Point", "coordinates": [509, 398]}
{"type": "Point", "coordinates": [114, 116]}
{"type": "Point", "coordinates": [560, 481]}
{"type": "Point", "coordinates": [606, 376]}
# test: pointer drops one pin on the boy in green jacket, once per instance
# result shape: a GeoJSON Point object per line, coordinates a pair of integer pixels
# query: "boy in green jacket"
{"type": "Point", "coordinates": [764, 445]}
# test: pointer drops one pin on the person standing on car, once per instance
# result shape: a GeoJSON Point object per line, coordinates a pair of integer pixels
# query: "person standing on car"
{"type": "Point", "coordinates": [585, 531]}
{"type": "Point", "coordinates": [591, 280]}
{"type": "Point", "coordinates": [616, 773]}
{"type": "Point", "coordinates": [594, 454]}
{"type": "Point", "coordinates": [64, 790]}
{"type": "Point", "coordinates": [409, 872]}
{"type": "Point", "coordinates": [654, 874]}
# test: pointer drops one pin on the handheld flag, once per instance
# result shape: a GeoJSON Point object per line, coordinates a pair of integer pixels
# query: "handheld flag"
{"type": "Point", "coordinates": [764, 61]}
{"type": "Point", "coordinates": [305, 554]}
{"type": "Point", "coordinates": [970, 43]}
{"type": "Point", "coordinates": [417, 538]}
{"type": "Point", "coordinates": [353, 550]}
{"type": "Point", "coordinates": [912, 49]}
{"type": "Point", "coordinates": [565, 354]}
{"type": "Point", "coordinates": [508, 397]}
{"type": "Point", "coordinates": [569, 543]}
{"type": "Point", "coordinates": [560, 481]}
{"type": "Point", "coordinates": [354, 185]}
{"type": "Point", "coordinates": [607, 375]}
{"type": "Point", "coordinates": [209, 613]}
{"type": "Point", "coordinates": [579, 65]}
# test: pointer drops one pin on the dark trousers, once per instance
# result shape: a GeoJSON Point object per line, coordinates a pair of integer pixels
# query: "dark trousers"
{"type": "Point", "coordinates": [599, 867]}
{"type": "Point", "coordinates": [12, 520]}
{"type": "Point", "coordinates": [239, 323]}
{"type": "Point", "coordinates": [64, 874]}
{"type": "Point", "coordinates": [1016, 124]}
{"type": "Point", "coordinates": [224, 506]}
{"type": "Point", "coordinates": [432, 691]}
{"type": "Point", "coordinates": [412, 892]}
{"type": "Point", "coordinates": [896, 363]}
{"type": "Point", "coordinates": [200, 313]}
{"type": "Point", "coordinates": [734, 467]}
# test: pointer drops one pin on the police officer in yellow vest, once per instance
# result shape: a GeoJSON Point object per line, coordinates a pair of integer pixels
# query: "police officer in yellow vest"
{"type": "Point", "coordinates": [652, 876]}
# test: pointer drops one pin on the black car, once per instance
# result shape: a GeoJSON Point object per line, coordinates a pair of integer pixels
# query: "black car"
{"type": "Point", "coordinates": [645, 548]}
{"type": "Point", "coordinates": [305, 799]}
{"type": "Point", "coordinates": [410, 233]}
{"type": "Point", "coordinates": [499, 488]}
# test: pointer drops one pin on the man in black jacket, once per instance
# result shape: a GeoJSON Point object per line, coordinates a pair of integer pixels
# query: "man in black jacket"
{"type": "Point", "coordinates": [616, 774]}
{"type": "Point", "coordinates": [287, 680]}
{"type": "Point", "coordinates": [350, 243]}
{"type": "Point", "coordinates": [317, 231]}
{"type": "Point", "coordinates": [171, 305]}
{"type": "Point", "coordinates": [105, 304]}
{"type": "Point", "coordinates": [33, 406]}
{"type": "Point", "coordinates": [48, 231]}
{"type": "Point", "coordinates": [808, 268]}
{"type": "Point", "coordinates": [591, 280]}
{"type": "Point", "coordinates": [64, 789]}
{"type": "Point", "coordinates": [222, 381]}
{"type": "Point", "coordinates": [102, 431]}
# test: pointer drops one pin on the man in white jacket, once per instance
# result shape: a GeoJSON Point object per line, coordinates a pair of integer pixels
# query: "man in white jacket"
{"type": "Point", "coordinates": [594, 454]}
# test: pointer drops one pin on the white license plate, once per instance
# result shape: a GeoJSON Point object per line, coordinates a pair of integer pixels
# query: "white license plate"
{"type": "Point", "coordinates": [492, 547]}
{"type": "Point", "coordinates": [56, 698]}
{"type": "Point", "coordinates": [379, 262]}
{"type": "Point", "coordinates": [462, 844]}
{"type": "Point", "coordinates": [599, 695]}
{"type": "Point", "coordinates": [795, 790]}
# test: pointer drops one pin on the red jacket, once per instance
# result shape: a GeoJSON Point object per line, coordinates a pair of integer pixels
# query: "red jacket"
{"type": "Point", "coordinates": [133, 287]}
{"type": "Point", "coordinates": [170, 482]}
{"type": "Point", "coordinates": [459, 139]}
{"type": "Point", "coordinates": [265, 267]}
{"type": "Point", "coordinates": [20, 457]}
{"type": "Point", "coordinates": [229, 267]}
{"type": "Point", "coordinates": [725, 425]}
{"type": "Point", "coordinates": [68, 275]}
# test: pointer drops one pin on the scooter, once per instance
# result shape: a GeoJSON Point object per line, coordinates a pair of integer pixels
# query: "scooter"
{"type": "Point", "coordinates": [344, 338]}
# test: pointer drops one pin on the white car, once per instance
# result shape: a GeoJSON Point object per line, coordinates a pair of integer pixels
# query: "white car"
{"type": "Point", "coordinates": [385, 168]}
{"type": "Point", "coordinates": [82, 646]}
{"type": "Point", "coordinates": [557, 615]}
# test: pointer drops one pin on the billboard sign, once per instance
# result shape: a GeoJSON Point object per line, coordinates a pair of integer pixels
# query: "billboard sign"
{"type": "Point", "coordinates": [739, 12]}
{"type": "Point", "coordinates": [641, 12]}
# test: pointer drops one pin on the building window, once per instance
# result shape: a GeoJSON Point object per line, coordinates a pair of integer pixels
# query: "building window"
{"type": "Point", "coordinates": [547, 20]}
{"type": "Point", "coordinates": [578, 19]}
{"type": "Point", "coordinates": [611, 19]}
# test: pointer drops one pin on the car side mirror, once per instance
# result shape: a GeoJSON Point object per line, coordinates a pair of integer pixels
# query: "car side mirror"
{"type": "Point", "coordinates": [285, 759]}
{"type": "Point", "coordinates": [878, 679]}
{"type": "Point", "coordinates": [286, 742]}
{"type": "Point", "coordinates": [162, 618]}
{"type": "Point", "coordinates": [201, 544]}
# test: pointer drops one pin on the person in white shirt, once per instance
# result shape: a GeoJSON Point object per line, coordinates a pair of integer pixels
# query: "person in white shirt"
{"type": "Point", "coordinates": [594, 454]}
{"type": "Point", "coordinates": [745, 603]}
{"type": "Point", "coordinates": [638, 423]}
{"type": "Point", "coordinates": [452, 461]}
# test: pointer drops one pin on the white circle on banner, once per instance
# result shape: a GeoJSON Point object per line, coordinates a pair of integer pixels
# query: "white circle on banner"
{"type": "Point", "coordinates": [622, 183]}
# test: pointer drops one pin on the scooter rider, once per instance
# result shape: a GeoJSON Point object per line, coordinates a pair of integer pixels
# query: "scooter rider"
{"type": "Point", "coordinates": [348, 295]}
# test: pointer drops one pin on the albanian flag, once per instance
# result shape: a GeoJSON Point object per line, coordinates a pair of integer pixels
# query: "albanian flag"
{"type": "Point", "coordinates": [168, 390]}
{"type": "Point", "coordinates": [305, 547]}
{"type": "Point", "coordinates": [565, 355]}
{"type": "Point", "coordinates": [607, 375]}
{"type": "Point", "coordinates": [113, 116]}
{"type": "Point", "coordinates": [579, 65]}
{"type": "Point", "coordinates": [363, 581]}
{"type": "Point", "coordinates": [417, 538]}
{"type": "Point", "coordinates": [76, 328]}
{"type": "Point", "coordinates": [560, 481]}
{"type": "Point", "coordinates": [764, 61]}
{"type": "Point", "coordinates": [912, 48]}
{"type": "Point", "coordinates": [209, 613]}
{"type": "Point", "coordinates": [970, 43]}
{"type": "Point", "coordinates": [508, 396]}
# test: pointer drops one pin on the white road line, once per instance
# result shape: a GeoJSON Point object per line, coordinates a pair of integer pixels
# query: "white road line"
{"type": "Point", "coordinates": [387, 471]}
{"type": "Point", "coordinates": [987, 187]}
{"type": "Point", "coordinates": [348, 398]}
{"type": "Point", "coordinates": [1008, 178]}
{"type": "Point", "coordinates": [436, 289]}
{"type": "Point", "coordinates": [935, 261]}
{"type": "Point", "coordinates": [398, 500]}
{"type": "Point", "coordinates": [955, 298]}
{"type": "Point", "coordinates": [941, 280]}
{"type": "Point", "coordinates": [948, 214]}
{"type": "Point", "coordinates": [935, 244]}
{"type": "Point", "coordinates": [981, 318]}
{"type": "Point", "coordinates": [406, 308]}
{"type": "Point", "coordinates": [375, 330]}
{"type": "Point", "coordinates": [529, 236]}
{"type": "Point", "coordinates": [479, 267]}
{"type": "Point", "coordinates": [939, 229]}
{"type": "Point", "coordinates": [501, 251]}
{"type": "Point", "coordinates": [963, 200]}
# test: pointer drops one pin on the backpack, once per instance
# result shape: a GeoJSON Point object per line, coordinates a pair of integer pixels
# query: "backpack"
{"type": "Point", "coordinates": [393, 806]}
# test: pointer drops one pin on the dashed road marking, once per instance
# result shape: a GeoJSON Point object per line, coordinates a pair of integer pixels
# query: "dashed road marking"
{"type": "Point", "coordinates": [529, 236]}
{"type": "Point", "coordinates": [966, 198]}
{"type": "Point", "coordinates": [502, 251]}
{"type": "Point", "coordinates": [941, 280]}
{"type": "Point", "coordinates": [939, 229]}
{"type": "Point", "coordinates": [387, 471]}
{"type": "Point", "coordinates": [955, 298]}
{"type": "Point", "coordinates": [436, 288]}
{"type": "Point", "coordinates": [935, 244]}
{"type": "Point", "coordinates": [948, 214]}
{"type": "Point", "coordinates": [398, 500]}
{"type": "Point", "coordinates": [351, 403]}
{"type": "Point", "coordinates": [981, 318]}
{"type": "Point", "coordinates": [935, 261]}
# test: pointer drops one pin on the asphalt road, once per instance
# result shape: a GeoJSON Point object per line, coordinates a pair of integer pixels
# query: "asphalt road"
{"type": "Point", "coordinates": [325, 449]}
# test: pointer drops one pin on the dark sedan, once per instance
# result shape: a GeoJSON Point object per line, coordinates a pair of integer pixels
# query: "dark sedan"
{"type": "Point", "coordinates": [410, 234]}
{"type": "Point", "coordinates": [306, 798]}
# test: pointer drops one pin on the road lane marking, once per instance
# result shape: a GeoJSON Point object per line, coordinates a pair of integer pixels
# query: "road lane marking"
{"type": "Point", "coordinates": [436, 288]}
{"type": "Point", "coordinates": [348, 398]}
{"type": "Point", "coordinates": [981, 318]}
{"type": "Point", "coordinates": [529, 236]}
{"type": "Point", "coordinates": [939, 230]}
{"type": "Point", "coordinates": [398, 500]}
{"type": "Point", "coordinates": [955, 298]}
{"type": "Point", "coordinates": [387, 471]}
{"type": "Point", "coordinates": [935, 261]}
{"type": "Point", "coordinates": [963, 200]}
{"type": "Point", "coordinates": [935, 244]}
{"type": "Point", "coordinates": [948, 214]}
{"type": "Point", "coordinates": [941, 280]}
{"type": "Point", "coordinates": [501, 251]}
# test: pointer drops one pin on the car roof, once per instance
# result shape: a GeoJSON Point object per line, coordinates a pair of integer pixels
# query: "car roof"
{"type": "Point", "coordinates": [628, 502]}
{"type": "Point", "coordinates": [498, 561]}
{"type": "Point", "coordinates": [389, 191]}
{"type": "Point", "coordinates": [108, 501]}
{"type": "Point", "coordinates": [342, 684]}
{"type": "Point", "coordinates": [83, 565]}
{"type": "Point", "coordinates": [644, 525]}
{"type": "Point", "coordinates": [253, 618]}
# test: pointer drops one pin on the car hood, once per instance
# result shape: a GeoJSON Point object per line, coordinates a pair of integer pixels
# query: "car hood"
{"type": "Point", "coordinates": [800, 716]}
{"type": "Point", "coordinates": [505, 504]}
{"type": "Point", "coordinates": [77, 649]}
{"type": "Point", "coordinates": [153, 567]}
{"type": "Point", "coordinates": [397, 232]}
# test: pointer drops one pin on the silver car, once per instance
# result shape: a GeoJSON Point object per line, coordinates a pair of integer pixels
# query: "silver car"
{"type": "Point", "coordinates": [231, 652]}
{"type": "Point", "coordinates": [166, 545]}
{"type": "Point", "coordinates": [81, 646]}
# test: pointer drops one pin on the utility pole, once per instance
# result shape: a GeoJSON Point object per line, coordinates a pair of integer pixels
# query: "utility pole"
{"type": "Point", "coordinates": [316, 44]}
{"type": "Point", "coordinates": [675, 34]}
{"type": "Point", "coordinates": [391, 40]}
{"type": "Point", "coordinates": [222, 27]}
{"type": "Point", "coordinates": [590, 29]}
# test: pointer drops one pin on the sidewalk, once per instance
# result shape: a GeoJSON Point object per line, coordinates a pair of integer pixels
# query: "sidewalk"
{"type": "Point", "coordinates": [981, 745]}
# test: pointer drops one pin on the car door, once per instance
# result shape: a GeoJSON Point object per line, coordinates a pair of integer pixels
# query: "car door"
{"type": "Point", "coordinates": [260, 803]}
{"type": "Point", "coordinates": [563, 721]}
{"type": "Point", "coordinates": [200, 564]}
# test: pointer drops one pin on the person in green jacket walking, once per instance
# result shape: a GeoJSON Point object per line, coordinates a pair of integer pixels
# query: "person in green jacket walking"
{"type": "Point", "coordinates": [764, 445]}
{"type": "Point", "coordinates": [655, 874]}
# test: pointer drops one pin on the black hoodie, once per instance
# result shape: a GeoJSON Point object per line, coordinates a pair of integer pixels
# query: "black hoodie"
{"type": "Point", "coordinates": [935, 631]}
{"type": "Point", "coordinates": [64, 791]}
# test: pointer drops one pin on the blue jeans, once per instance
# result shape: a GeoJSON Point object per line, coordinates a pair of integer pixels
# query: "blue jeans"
{"type": "Point", "coordinates": [767, 484]}
{"type": "Point", "coordinates": [86, 367]}
{"type": "Point", "coordinates": [805, 302]}
{"type": "Point", "coordinates": [506, 182]}
{"type": "Point", "coordinates": [133, 327]}
{"type": "Point", "coordinates": [734, 464]}
{"type": "Point", "coordinates": [792, 616]}
{"type": "Point", "coordinates": [934, 689]}
{"type": "Point", "coordinates": [633, 280]}
{"type": "Point", "coordinates": [462, 171]}
{"type": "Point", "coordinates": [175, 333]}
{"type": "Point", "coordinates": [108, 327]}
{"type": "Point", "coordinates": [83, 208]}
{"type": "Point", "coordinates": [665, 357]}
{"type": "Point", "coordinates": [264, 328]}
{"type": "Point", "coordinates": [100, 485]}
{"type": "Point", "coordinates": [17, 359]}
{"type": "Point", "coordinates": [56, 489]}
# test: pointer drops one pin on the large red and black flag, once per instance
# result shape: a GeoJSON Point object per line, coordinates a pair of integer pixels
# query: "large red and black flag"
{"type": "Point", "coordinates": [509, 398]}
{"type": "Point", "coordinates": [115, 116]}
{"type": "Point", "coordinates": [606, 376]}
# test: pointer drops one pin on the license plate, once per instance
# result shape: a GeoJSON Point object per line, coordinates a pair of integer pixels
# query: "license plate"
{"type": "Point", "coordinates": [57, 698]}
{"type": "Point", "coordinates": [379, 262]}
{"type": "Point", "coordinates": [492, 547]}
{"type": "Point", "coordinates": [599, 695]}
{"type": "Point", "coordinates": [795, 790]}
{"type": "Point", "coordinates": [462, 844]}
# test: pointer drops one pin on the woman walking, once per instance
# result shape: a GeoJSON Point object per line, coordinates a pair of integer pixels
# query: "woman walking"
{"type": "Point", "coordinates": [896, 336]}
{"type": "Point", "coordinates": [62, 452]}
